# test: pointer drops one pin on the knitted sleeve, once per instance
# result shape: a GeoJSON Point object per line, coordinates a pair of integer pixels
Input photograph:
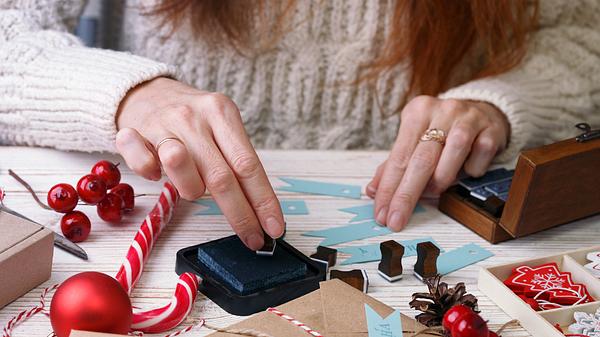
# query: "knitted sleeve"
{"type": "Point", "coordinates": [55, 92]}
{"type": "Point", "coordinates": [558, 83]}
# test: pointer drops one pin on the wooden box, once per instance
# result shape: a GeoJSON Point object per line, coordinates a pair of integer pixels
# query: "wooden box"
{"type": "Point", "coordinates": [552, 185]}
{"type": "Point", "coordinates": [541, 323]}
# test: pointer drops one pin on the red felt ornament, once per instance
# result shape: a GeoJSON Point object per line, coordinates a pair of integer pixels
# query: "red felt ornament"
{"type": "Point", "coordinates": [90, 301]}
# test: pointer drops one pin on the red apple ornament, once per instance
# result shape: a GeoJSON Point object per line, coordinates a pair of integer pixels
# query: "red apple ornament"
{"type": "Point", "coordinates": [75, 226]}
{"type": "Point", "coordinates": [470, 325]}
{"type": "Point", "coordinates": [110, 208]}
{"type": "Point", "coordinates": [90, 301]}
{"type": "Point", "coordinates": [108, 172]}
{"type": "Point", "coordinates": [91, 189]}
{"type": "Point", "coordinates": [125, 191]}
{"type": "Point", "coordinates": [62, 198]}
{"type": "Point", "coordinates": [453, 314]}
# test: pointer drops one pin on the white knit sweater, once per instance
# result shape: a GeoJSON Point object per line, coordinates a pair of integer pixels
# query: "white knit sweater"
{"type": "Point", "coordinates": [55, 92]}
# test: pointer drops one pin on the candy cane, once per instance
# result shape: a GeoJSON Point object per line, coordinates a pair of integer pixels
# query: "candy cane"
{"type": "Point", "coordinates": [170, 315]}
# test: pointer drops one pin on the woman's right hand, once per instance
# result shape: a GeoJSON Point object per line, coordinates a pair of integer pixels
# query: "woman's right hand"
{"type": "Point", "coordinates": [213, 152]}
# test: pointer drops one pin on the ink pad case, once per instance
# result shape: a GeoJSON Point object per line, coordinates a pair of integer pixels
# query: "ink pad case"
{"type": "Point", "coordinates": [243, 303]}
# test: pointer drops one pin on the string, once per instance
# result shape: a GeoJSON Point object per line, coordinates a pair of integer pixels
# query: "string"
{"type": "Point", "coordinates": [29, 189]}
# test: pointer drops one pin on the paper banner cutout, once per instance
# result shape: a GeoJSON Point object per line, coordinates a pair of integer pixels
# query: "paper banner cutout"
{"type": "Point", "coordinates": [366, 212]}
{"type": "Point", "coordinates": [370, 253]}
{"type": "Point", "coordinates": [461, 257]}
{"type": "Point", "coordinates": [288, 207]}
{"type": "Point", "coordinates": [391, 326]}
{"type": "Point", "coordinates": [316, 187]}
{"type": "Point", "coordinates": [357, 231]}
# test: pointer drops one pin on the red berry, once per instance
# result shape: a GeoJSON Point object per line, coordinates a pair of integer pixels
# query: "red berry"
{"type": "Point", "coordinates": [454, 314]}
{"type": "Point", "coordinates": [108, 172]}
{"type": "Point", "coordinates": [470, 325]}
{"type": "Point", "coordinates": [493, 334]}
{"type": "Point", "coordinates": [91, 189]}
{"type": "Point", "coordinates": [75, 226]}
{"type": "Point", "coordinates": [62, 198]}
{"type": "Point", "coordinates": [109, 209]}
{"type": "Point", "coordinates": [125, 191]}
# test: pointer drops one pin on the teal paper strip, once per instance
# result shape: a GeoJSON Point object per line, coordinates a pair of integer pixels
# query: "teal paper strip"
{"type": "Point", "coordinates": [370, 253]}
{"type": "Point", "coordinates": [366, 212]}
{"type": "Point", "coordinates": [357, 231]}
{"type": "Point", "coordinates": [316, 187]}
{"type": "Point", "coordinates": [461, 257]}
{"type": "Point", "coordinates": [391, 326]}
{"type": "Point", "coordinates": [288, 207]}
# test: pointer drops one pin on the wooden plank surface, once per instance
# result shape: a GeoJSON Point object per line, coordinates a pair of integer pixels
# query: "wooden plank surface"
{"type": "Point", "coordinates": [107, 244]}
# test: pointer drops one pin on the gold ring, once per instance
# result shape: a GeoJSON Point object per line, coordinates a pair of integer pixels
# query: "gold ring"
{"type": "Point", "coordinates": [436, 135]}
{"type": "Point", "coordinates": [164, 141]}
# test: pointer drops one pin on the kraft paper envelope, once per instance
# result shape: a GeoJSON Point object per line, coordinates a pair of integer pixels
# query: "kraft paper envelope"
{"type": "Point", "coordinates": [335, 310]}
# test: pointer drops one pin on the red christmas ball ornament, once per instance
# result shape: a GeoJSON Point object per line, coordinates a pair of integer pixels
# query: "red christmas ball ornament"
{"type": "Point", "coordinates": [75, 226]}
{"type": "Point", "coordinates": [453, 314]}
{"type": "Point", "coordinates": [125, 191]}
{"type": "Point", "coordinates": [470, 325]}
{"type": "Point", "coordinates": [90, 301]}
{"type": "Point", "coordinates": [108, 172]}
{"type": "Point", "coordinates": [109, 209]}
{"type": "Point", "coordinates": [62, 198]}
{"type": "Point", "coordinates": [91, 189]}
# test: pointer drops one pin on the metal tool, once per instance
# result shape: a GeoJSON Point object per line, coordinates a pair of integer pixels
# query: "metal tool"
{"type": "Point", "coordinates": [59, 240]}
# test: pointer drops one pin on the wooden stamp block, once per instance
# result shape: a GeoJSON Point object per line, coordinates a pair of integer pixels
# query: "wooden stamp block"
{"type": "Point", "coordinates": [426, 265]}
{"type": "Point", "coordinates": [325, 255]}
{"type": "Point", "coordinates": [357, 278]}
{"type": "Point", "coordinates": [269, 247]}
{"type": "Point", "coordinates": [390, 266]}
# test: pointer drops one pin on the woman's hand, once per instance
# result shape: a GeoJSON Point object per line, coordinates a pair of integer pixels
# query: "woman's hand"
{"type": "Point", "coordinates": [475, 131]}
{"type": "Point", "coordinates": [210, 151]}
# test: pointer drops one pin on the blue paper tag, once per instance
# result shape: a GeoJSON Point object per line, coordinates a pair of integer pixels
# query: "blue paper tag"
{"type": "Point", "coordinates": [366, 212]}
{"type": "Point", "coordinates": [316, 187]}
{"type": "Point", "coordinates": [357, 231]}
{"type": "Point", "coordinates": [288, 207]}
{"type": "Point", "coordinates": [370, 253]}
{"type": "Point", "coordinates": [461, 257]}
{"type": "Point", "coordinates": [391, 326]}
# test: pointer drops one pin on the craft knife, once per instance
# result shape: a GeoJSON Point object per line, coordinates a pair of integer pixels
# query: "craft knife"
{"type": "Point", "coordinates": [59, 240]}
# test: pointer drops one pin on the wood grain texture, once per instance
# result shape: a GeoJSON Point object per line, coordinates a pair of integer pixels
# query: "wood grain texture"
{"type": "Point", "coordinates": [107, 244]}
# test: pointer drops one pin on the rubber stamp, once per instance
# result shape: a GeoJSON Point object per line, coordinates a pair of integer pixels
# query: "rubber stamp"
{"type": "Point", "coordinates": [390, 266]}
{"type": "Point", "coordinates": [426, 265]}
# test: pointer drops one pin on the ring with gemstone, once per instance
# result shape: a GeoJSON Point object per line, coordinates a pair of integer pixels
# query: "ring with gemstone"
{"type": "Point", "coordinates": [436, 135]}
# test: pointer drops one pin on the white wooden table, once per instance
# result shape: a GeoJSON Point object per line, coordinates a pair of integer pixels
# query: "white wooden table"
{"type": "Point", "coordinates": [107, 244]}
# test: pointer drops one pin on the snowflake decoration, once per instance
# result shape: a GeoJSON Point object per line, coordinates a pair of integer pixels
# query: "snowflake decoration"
{"type": "Point", "coordinates": [548, 281]}
{"type": "Point", "coordinates": [586, 324]}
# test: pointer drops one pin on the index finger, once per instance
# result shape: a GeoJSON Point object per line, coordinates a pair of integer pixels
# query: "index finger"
{"type": "Point", "coordinates": [420, 168]}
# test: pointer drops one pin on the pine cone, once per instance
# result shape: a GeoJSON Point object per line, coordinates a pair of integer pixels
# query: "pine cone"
{"type": "Point", "coordinates": [439, 299]}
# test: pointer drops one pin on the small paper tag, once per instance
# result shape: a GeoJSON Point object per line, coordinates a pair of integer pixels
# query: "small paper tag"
{"type": "Point", "coordinates": [288, 207]}
{"type": "Point", "coordinates": [316, 187]}
{"type": "Point", "coordinates": [357, 231]}
{"type": "Point", "coordinates": [391, 326]}
{"type": "Point", "coordinates": [366, 212]}
{"type": "Point", "coordinates": [461, 257]}
{"type": "Point", "coordinates": [369, 253]}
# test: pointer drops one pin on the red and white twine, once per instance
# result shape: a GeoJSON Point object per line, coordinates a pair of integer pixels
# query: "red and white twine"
{"type": "Point", "coordinates": [25, 314]}
{"type": "Point", "coordinates": [295, 322]}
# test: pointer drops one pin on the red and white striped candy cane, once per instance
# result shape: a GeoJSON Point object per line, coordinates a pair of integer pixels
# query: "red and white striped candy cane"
{"type": "Point", "coordinates": [170, 315]}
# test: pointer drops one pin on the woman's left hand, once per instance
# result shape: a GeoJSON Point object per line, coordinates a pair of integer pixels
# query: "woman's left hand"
{"type": "Point", "coordinates": [476, 132]}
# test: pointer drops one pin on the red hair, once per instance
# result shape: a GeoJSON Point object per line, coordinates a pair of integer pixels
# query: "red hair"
{"type": "Point", "coordinates": [432, 36]}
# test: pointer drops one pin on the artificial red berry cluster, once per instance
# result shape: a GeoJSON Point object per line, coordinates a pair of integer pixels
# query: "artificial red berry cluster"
{"type": "Point", "coordinates": [101, 188]}
{"type": "Point", "coordinates": [461, 321]}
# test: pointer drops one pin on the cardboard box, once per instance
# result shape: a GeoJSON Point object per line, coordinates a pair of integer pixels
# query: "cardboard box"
{"type": "Point", "coordinates": [541, 323]}
{"type": "Point", "coordinates": [552, 185]}
{"type": "Point", "coordinates": [25, 256]}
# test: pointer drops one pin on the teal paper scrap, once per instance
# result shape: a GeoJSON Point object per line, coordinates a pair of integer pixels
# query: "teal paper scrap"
{"type": "Point", "coordinates": [316, 187]}
{"type": "Point", "coordinates": [461, 257]}
{"type": "Point", "coordinates": [288, 207]}
{"type": "Point", "coordinates": [370, 253]}
{"type": "Point", "coordinates": [351, 232]}
{"type": "Point", "coordinates": [366, 212]}
{"type": "Point", "coordinates": [391, 326]}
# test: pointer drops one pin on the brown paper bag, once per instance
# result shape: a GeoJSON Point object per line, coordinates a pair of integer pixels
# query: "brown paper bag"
{"type": "Point", "coordinates": [335, 310]}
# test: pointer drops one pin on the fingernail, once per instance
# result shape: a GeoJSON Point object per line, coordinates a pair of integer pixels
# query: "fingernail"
{"type": "Point", "coordinates": [382, 215]}
{"type": "Point", "coordinates": [395, 221]}
{"type": "Point", "coordinates": [255, 241]}
{"type": "Point", "coordinates": [371, 190]}
{"type": "Point", "coordinates": [274, 228]}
